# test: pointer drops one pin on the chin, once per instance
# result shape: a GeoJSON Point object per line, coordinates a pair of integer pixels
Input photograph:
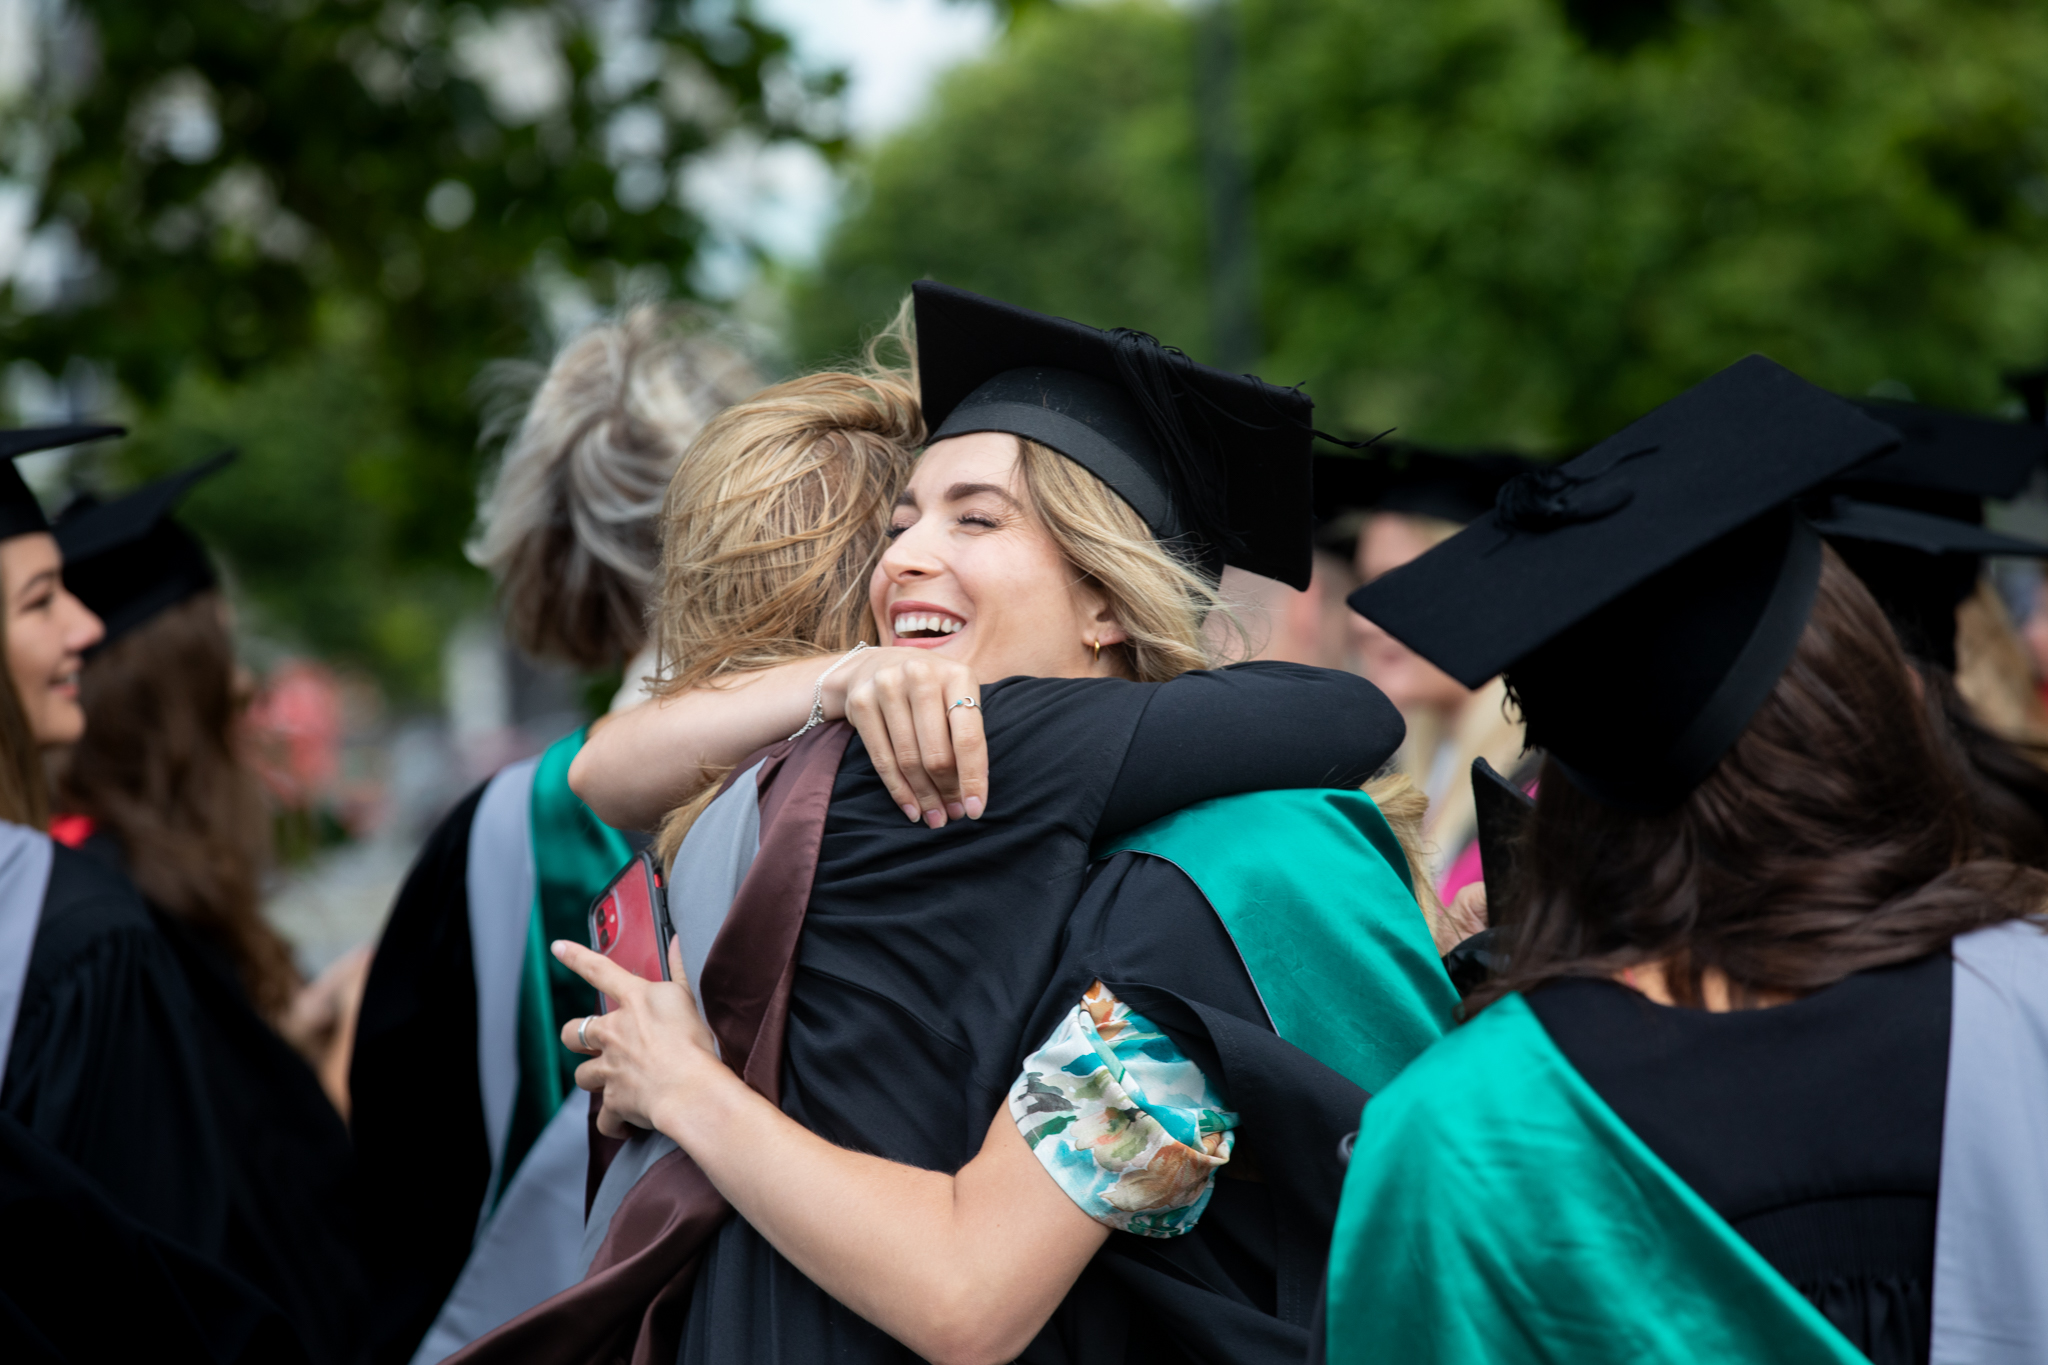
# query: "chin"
{"type": "Point", "coordinates": [61, 726]}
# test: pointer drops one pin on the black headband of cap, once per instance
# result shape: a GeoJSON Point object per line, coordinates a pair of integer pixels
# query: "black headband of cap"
{"type": "Point", "coordinates": [1088, 420]}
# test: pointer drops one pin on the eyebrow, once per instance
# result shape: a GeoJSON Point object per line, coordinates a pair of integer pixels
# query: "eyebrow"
{"type": "Point", "coordinates": [960, 492]}
{"type": "Point", "coordinates": [35, 582]}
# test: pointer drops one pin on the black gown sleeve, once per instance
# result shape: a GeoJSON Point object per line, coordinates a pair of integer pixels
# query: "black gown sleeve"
{"type": "Point", "coordinates": [1254, 727]}
{"type": "Point", "coordinates": [107, 1065]}
{"type": "Point", "coordinates": [1242, 1284]}
{"type": "Point", "coordinates": [416, 1106]}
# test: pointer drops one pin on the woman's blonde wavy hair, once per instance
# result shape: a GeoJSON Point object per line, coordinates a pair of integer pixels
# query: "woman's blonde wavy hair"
{"type": "Point", "coordinates": [1159, 600]}
{"type": "Point", "coordinates": [772, 525]}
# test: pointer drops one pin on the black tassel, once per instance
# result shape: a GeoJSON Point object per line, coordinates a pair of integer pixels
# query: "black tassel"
{"type": "Point", "coordinates": [1156, 378]}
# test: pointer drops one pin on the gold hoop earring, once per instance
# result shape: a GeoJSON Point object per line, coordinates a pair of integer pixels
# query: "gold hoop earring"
{"type": "Point", "coordinates": [1098, 651]}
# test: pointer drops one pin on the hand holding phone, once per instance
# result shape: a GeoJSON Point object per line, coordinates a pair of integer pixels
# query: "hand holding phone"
{"type": "Point", "coordinates": [629, 923]}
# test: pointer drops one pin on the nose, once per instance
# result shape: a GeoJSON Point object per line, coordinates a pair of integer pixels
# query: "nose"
{"type": "Point", "coordinates": [911, 555]}
{"type": "Point", "coordinates": [85, 629]}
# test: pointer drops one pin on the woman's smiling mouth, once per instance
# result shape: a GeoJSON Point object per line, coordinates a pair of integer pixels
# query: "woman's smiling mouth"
{"type": "Point", "coordinates": [915, 622]}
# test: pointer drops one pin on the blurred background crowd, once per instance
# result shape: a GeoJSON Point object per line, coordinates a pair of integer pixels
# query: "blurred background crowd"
{"type": "Point", "coordinates": [344, 236]}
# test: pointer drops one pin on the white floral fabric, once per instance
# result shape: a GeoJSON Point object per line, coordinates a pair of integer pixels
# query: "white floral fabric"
{"type": "Point", "coordinates": [1129, 1127]}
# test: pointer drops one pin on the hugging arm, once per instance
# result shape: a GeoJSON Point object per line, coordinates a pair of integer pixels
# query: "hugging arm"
{"type": "Point", "coordinates": [642, 763]}
{"type": "Point", "coordinates": [1255, 727]}
{"type": "Point", "coordinates": [964, 1269]}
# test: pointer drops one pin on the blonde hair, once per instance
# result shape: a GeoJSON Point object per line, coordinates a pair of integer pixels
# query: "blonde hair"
{"type": "Point", "coordinates": [1406, 807]}
{"type": "Point", "coordinates": [1159, 600]}
{"type": "Point", "coordinates": [771, 529]}
{"type": "Point", "coordinates": [568, 523]}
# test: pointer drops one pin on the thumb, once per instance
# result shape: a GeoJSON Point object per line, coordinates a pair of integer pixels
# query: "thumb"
{"type": "Point", "coordinates": [675, 961]}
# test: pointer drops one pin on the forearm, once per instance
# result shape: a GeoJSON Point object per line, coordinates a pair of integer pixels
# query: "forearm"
{"type": "Point", "coordinates": [643, 763]}
{"type": "Point", "coordinates": [962, 1268]}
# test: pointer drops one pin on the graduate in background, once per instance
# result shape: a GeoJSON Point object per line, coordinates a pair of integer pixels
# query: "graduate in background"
{"type": "Point", "coordinates": [100, 1032]}
{"type": "Point", "coordinates": [492, 1151]}
{"type": "Point", "coordinates": [158, 789]}
{"type": "Point", "coordinates": [1765, 1078]}
{"type": "Point", "coordinates": [1382, 509]}
{"type": "Point", "coordinates": [1911, 525]}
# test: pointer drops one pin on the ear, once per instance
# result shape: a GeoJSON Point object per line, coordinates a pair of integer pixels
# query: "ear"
{"type": "Point", "coordinates": [1102, 618]}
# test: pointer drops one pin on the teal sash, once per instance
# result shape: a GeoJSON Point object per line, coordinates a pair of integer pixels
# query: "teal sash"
{"type": "Point", "coordinates": [1313, 888]}
{"type": "Point", "coordinates": [575, 855]}
{"type": "Point", "coordinates": [1497, 1210]}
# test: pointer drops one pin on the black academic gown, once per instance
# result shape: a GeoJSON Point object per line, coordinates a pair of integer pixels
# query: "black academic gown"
{"type": "Point", "coordinates": [81, 1282]}
{"type": "Point", "coordinates": [423, 1174]}
{"type": "Point", "coordinates": [108, 1061]}
{"type": "Point", "coordinates": [932, 962]}
{"type": "Point", "coordinates": [289, 1172]}
{"type": "Point", "coordinates": [1814, 1128]}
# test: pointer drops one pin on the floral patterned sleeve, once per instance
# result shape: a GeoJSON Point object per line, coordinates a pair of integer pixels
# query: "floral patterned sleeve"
{"type": "Point", "coordinates": [1130, 1128]}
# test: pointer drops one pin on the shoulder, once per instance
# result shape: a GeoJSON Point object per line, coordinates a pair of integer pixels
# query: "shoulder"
{"type": "Point", "coordinates": [1264, 678]}
{"type": "Point", "coordinates": [89, 910]}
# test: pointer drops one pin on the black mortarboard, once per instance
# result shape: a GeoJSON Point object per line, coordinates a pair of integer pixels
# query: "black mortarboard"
{"type": "Point", "coordinates": [1910, 523]}
{"type": "Point", "coordinates": [127, 559]}
{"type": "Point", "coordinates": [1919, 567]}
{"type": "Point", "coordinates": [1398, 476]}
{"type": "Point", "coordinates": [1947, 463]}
{"type": "Point", "coordinates": [1644, 598]}
{"type": "Point", "coordinates": [1215, 463]}
{"type": "Point", "coordinates": [20, 513]}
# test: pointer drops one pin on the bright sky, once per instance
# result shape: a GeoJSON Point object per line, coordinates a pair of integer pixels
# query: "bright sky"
{"type": "Point", "coordinates": [892, 49]}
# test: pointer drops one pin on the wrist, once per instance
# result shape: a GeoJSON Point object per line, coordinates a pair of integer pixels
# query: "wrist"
{"type": "Point", "coordinates": [696, 1111]}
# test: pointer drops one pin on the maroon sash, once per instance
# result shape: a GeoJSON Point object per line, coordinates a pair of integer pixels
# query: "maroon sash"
{"type": "Point", "coordinates": [630, 1304]}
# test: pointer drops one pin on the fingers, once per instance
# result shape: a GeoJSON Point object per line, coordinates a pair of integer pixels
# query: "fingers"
{"type": "Point", "coordinates": [599, 970]}
{"type": "Point", "coordinates": [580, 1035]}
{"type": "Point", "coordinates": [970, 753]}
{"type": "Point", "coordinates": [864, 709]}
{"type": "Point", "coordinates": [931, 754]}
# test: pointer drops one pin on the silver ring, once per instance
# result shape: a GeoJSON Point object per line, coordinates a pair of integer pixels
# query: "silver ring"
{"type": "Point", "coordinates": [583, 1029]}
{"type": "Point", "coordinates": [967, 702]}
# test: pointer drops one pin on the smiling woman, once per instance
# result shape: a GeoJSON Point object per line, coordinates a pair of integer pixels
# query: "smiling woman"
{"type": "Point", "coordinates": [903, 978]}
{"type": "Point", "coordinates": [103, 1066]}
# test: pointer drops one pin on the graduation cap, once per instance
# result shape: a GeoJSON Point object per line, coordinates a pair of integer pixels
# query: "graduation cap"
{"type": "Point", "coordinates": [1214, 463]}
{"type": "Point", "coordinates": [1400, 476]}
{"type": "Point", "coordinates": [1644, 598]}
{"type": "Point", "coordinates": [127, 559]}
{"type": "Point", "coordinates": [20, 513]}
{"type": "Point", "coordinates": [1947, 462]}
{"type": "Point", "coordinates": [1919, 567]}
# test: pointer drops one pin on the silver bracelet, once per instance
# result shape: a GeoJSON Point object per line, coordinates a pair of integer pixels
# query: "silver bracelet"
{"type": "Point", "coordinates": [818, 696]}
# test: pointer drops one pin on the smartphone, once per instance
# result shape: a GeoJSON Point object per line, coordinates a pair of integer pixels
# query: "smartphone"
{"type": "Point", "coordinates": [629, 922]}
{"type": "Point", "coordinates": [1501, 809]}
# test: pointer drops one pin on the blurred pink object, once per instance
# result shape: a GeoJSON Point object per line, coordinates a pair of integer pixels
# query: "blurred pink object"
{"type": "Point", "coordinates": [295, 726]}
{"type": "Point", "coordinates": [1464, 871]}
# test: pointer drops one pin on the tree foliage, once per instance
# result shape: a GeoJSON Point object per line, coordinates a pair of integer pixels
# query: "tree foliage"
{"type": "Point", "coordinates": [1511, 220]}
{"type": "Point", "coordinates": [361, 203]}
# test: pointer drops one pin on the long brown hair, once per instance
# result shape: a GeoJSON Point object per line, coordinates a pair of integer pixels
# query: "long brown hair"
{"type": "Point", "coordinates": [1835, 836]}
{"type": "Point", "coordinates": [161, 771]}
{"type": "Point", "coordinates": [24, 789]}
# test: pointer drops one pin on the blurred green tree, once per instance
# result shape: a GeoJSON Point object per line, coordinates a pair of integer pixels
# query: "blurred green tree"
{"type": "Point", "coordinates": [1061, 172]}
{"type": "Point", "coordinates": [307, 224]}
{"type": "Point", "coordinates": [1519, 221]}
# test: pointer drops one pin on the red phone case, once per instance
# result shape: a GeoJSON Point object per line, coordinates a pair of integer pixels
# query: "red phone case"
{"type": "Point", "coordinates": [629, 922]}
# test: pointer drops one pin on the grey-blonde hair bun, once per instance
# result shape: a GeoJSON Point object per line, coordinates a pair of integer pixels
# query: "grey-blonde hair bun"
{"type": "Point", "coordinates": [569, 523]}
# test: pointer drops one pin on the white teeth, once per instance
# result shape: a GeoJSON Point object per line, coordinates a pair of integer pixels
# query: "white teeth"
{"type": "Point", "coordinates": [913, 622]}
